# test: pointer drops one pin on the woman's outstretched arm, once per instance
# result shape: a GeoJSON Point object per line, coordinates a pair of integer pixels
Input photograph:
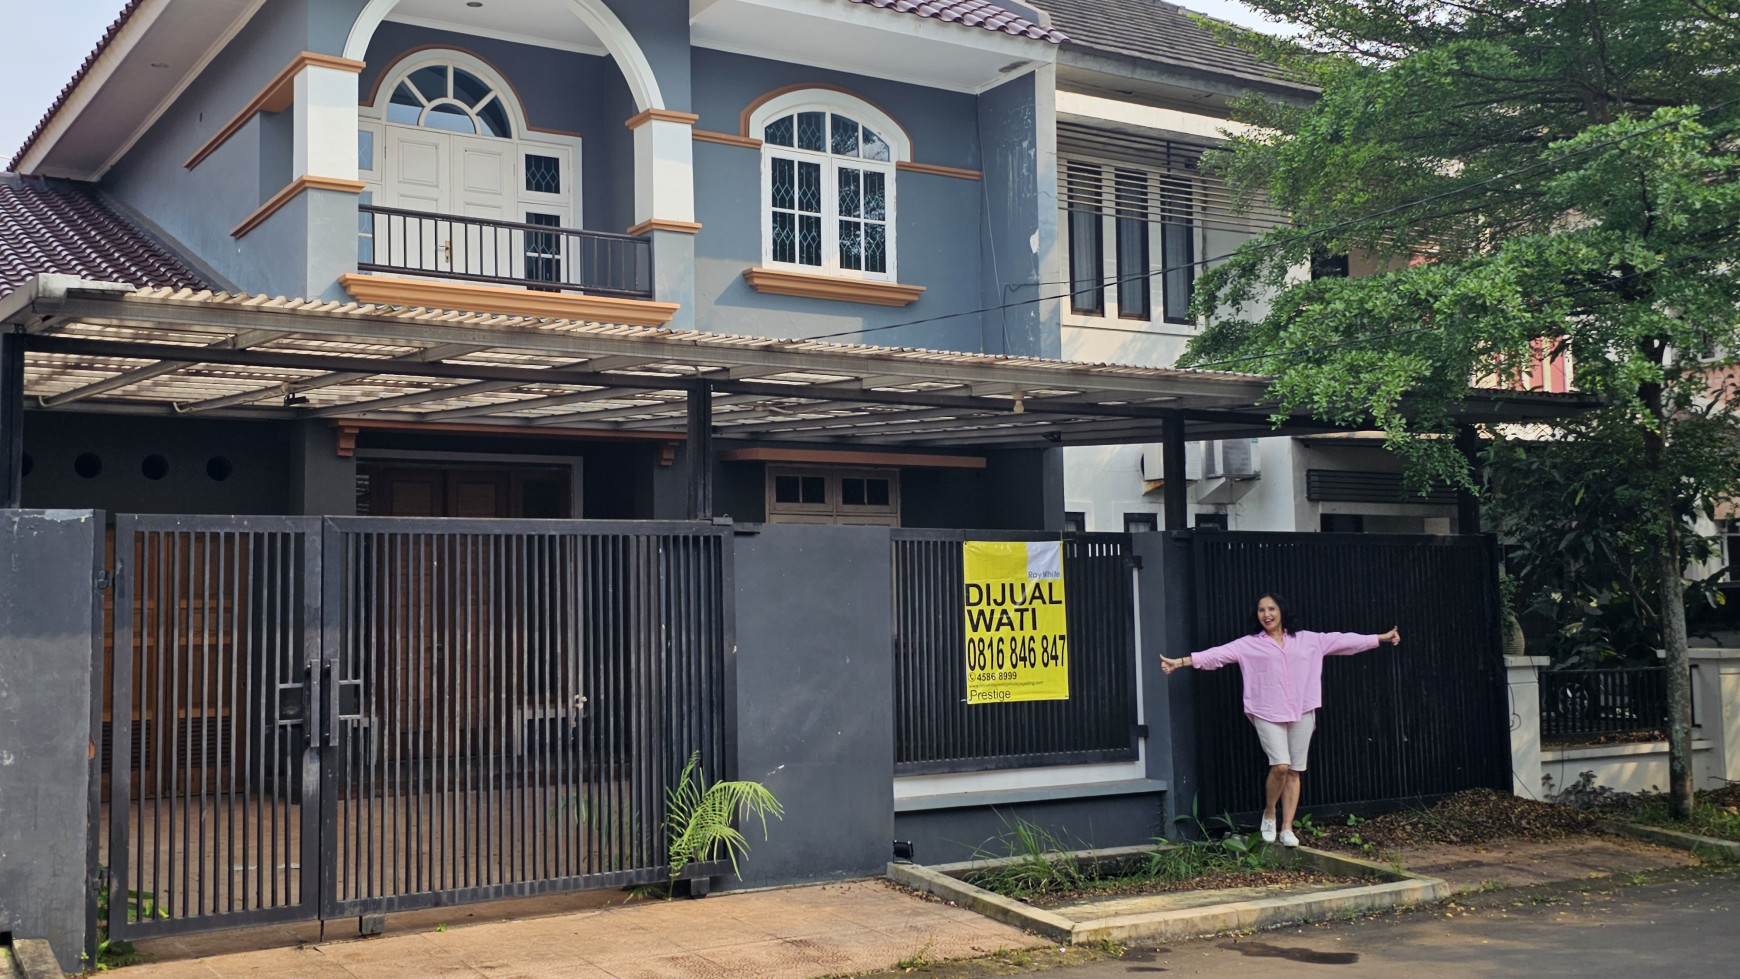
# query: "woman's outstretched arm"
{"type": "Point", "coordinates": [1208, 659]}
{"type": "Point", "coordinates": [1348, 643]}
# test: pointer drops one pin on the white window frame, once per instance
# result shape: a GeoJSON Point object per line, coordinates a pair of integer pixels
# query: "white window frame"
{"type": "Point", "coordinates": [865, 114]}
{"type": "Point", "coordinates": [372, 118]}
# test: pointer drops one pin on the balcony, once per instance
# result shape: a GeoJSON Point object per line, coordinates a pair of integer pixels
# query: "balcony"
{"type": "Point", "coordinates": [536, 257]}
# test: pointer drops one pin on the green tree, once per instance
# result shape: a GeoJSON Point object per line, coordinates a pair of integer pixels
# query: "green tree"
{"type": "Point", "coordinates": [1578, 550]}
{"type": "Point", "coordinates": [1519, 169]}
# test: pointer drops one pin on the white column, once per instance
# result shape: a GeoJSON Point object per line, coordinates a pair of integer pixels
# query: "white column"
{"type": "Point", "coordinates": [1716, 696]}
{"type": "Point", "coordinates": [325, 122]}
{"type": "Point", "coordinates": [664, 169]}
{"type": "Point", "coordinates": [1525, 724]}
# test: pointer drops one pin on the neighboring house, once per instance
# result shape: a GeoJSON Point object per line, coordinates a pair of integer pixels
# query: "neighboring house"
{"type": "Point", "coordinates": [1143, 92]}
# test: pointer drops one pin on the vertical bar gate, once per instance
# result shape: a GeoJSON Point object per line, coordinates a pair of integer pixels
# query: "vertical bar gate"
{"type": "Point", "coordinates": [353, 716]}
{"type": "Point", "coordinates": [1423, 720]}
{"type": "Point", "coordinates": [212, 779]}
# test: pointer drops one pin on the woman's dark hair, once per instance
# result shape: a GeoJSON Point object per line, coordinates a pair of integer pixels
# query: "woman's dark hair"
{"type": "Point", "coordinates": [1287, 623]}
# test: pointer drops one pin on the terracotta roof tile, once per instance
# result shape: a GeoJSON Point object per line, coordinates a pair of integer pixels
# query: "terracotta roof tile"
{"type": "Point", "coordinates": [64, 227]}
{"type": "Point", "coordinates": [972, 13]}
{"type": "Point", "coordinates": [78, 76]}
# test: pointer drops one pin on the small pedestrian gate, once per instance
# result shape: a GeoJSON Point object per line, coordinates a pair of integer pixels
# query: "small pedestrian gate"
{"type": "Point", "coordinates": [1422, 721]}
{"type": "Point", "coordinates": [350, 716]}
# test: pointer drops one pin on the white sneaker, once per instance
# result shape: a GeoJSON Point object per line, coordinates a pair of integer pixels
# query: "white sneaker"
{"type": "Point", "coordinates": [1288, 839]}
{"type": "Point", "coordinates": [1268, 829]}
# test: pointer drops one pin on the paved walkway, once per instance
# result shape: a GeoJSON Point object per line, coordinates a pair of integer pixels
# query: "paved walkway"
{"type": "Point", "coordinates": [796, 933]}
{"type": "Point", "coordinates": [1513, 863]}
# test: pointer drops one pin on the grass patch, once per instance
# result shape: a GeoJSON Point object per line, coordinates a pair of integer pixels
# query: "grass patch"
{"type": "Point", "coordinates": [1038, 869]}
{"type": "Point", "coordinates": [1714, 814]}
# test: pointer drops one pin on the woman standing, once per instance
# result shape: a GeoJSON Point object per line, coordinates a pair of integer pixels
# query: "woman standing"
{"type": "Point", "coordinates": [1283, 674]}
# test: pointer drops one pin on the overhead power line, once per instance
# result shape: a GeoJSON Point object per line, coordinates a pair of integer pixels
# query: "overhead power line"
{"type": "Point", "coordinates": [1302, 236]}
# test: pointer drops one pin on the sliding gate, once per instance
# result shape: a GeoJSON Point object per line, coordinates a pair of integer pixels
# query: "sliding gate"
{"type": "Point", "coordinates": [346, 717]}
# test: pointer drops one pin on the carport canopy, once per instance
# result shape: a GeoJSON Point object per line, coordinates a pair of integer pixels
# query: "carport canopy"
{"type": "Point", "coordinates": [101, 346]}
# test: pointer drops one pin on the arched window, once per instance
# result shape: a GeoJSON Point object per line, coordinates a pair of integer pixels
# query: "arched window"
{"type": "Point", "coordinates": [447, 96]}
{"type": "Point", "coordinates": [828, 184]}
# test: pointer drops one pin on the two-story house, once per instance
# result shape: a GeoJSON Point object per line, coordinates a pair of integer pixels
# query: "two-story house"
{"type": "Point", "coordinates": [831, 169]}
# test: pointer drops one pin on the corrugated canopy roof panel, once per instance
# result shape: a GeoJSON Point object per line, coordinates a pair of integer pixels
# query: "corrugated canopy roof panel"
{"type": "Point", "coordinates": [96, 346]}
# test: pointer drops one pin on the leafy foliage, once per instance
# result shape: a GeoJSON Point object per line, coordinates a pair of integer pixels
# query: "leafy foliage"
{"type": "Point", "coordinates": [699, 823]}
{"type": "Point", "coordinates": [1517, 173]}
{"type": "Point", "coordinates": [1577, 549]}
{"type": "Point", "coordinates": [1036, 865]}
{"type": "Point", "coordinates": [112, 953]}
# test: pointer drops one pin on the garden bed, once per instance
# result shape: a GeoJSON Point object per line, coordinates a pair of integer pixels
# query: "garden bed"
{"type": "Point", "coordinates": [1039, 872]}
{"type": "Point", "coordinates": [1168, 892]}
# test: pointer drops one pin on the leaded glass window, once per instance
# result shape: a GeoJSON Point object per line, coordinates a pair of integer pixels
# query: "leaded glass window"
{"type": "Point", "coordinates": [830, 184]}
{"type": "Point", "coordinates": [543, 174]}
{"type": "Point", "coordinates": [449, 98]}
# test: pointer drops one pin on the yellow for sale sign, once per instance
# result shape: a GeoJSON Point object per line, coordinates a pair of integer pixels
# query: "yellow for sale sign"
{"type": "Point", "coordinates": [1017, 633]}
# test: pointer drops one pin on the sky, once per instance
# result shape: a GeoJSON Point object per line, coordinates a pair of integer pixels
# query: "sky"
{"type": "Point", "coordinates": [62, 32]}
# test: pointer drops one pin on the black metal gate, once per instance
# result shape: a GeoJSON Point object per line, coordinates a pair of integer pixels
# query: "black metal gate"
{"type": "Point", "coordinates": [347, 717]}
{"type": "Point", "coordinates": [1423, 720]}
{"type": "Point", "coordinates": [936, 730]}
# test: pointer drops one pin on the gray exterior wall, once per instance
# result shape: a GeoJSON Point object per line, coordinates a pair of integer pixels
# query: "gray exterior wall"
{"type": "Point", "coordinates": [952, 835]}
{"type": "Point", "coordinates": [49, 614]}
{"type": "Point", "coordinates": [198, 208]}
{"type": "Point", "coordinates": [1017, 490]}
{"type": "Point", "coordinates": [1020, 234]}
{"type": "Point", "coordinates": [815, 696]}
{"type": "Point", "coordinates": [259, 454]}
{"type": "Point", "coordinates": [936, 218]}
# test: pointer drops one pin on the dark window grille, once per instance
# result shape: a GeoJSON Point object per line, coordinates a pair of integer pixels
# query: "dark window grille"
{"type": "Point", "coordinates": [1087, 291]}
{"type": "Point", "coordinates": [1178, 248]}
{"type": "Point", "coordinates": [1587, 704]}
{"type": "Point", "coordinates": [936, 730]}
{"type": "Point", "coordinates": [1349, 486]}
{"type": "Point", "coordinates": [1132, 194]}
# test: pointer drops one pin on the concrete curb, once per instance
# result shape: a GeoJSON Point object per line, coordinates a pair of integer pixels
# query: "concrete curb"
{"type": "Point", "coordinates": [1673, 838]}
{"type": "Point", "coordinates": [35, 959]}
{"type": "Point", "coordinates": [1396, 890]}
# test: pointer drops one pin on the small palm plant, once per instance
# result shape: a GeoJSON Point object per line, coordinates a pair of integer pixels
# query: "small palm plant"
{"type": "Point", "coordinates": [701, 815]}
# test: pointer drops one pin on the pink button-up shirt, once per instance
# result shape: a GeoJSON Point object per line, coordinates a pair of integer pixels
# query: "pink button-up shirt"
{"type": "Point", "coordinates": [1281, 685]}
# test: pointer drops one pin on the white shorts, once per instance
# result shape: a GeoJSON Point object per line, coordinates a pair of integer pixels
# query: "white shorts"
{"type": "Point", "coordinates": [1289, 742]}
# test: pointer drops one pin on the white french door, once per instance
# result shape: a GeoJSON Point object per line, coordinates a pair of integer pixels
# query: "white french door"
{"type": "Point", "coordinates": [457, 175]}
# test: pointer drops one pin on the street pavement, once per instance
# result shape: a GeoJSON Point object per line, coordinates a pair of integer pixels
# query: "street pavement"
{"type": "Point", "coordinates": [1685, 925]}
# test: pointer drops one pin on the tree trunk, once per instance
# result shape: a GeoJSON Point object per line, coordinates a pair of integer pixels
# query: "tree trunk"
{"type": "Point", "coordinates": [1679, 678]}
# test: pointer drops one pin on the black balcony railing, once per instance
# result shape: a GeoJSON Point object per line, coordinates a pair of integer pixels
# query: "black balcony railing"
{"type": "Point", "coordinates": [1579, 704]}
{"type": "Point", "coordinates": [533, 255]}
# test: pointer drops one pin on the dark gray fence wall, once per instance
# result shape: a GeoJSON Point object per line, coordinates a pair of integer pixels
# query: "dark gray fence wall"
{"type": "Point", "coordinates": [814, 698]}
{"type": "Point", "coordinates": [50, 611]}
{"type": "Point", "coordinates": [937, 731]}
{"type": "Point", "coordinates": [1398, 724]}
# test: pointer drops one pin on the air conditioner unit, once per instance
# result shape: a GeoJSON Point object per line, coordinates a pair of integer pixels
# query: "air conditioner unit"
{"type": "Point", "coordinates": [1238, 459]}
{"type": "Point", "coordinates": [1154, 461]}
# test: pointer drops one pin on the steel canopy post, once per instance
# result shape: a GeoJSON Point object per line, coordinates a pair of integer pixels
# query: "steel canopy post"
{"type": "Point", "coordinates": [1177, 502]}
{"type": "Point", "coordinates": [700, 451]}
{"type": "Point", "coordinates": [11, 420]}
{"type": "Point", "coordinates": [1468, 504]}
